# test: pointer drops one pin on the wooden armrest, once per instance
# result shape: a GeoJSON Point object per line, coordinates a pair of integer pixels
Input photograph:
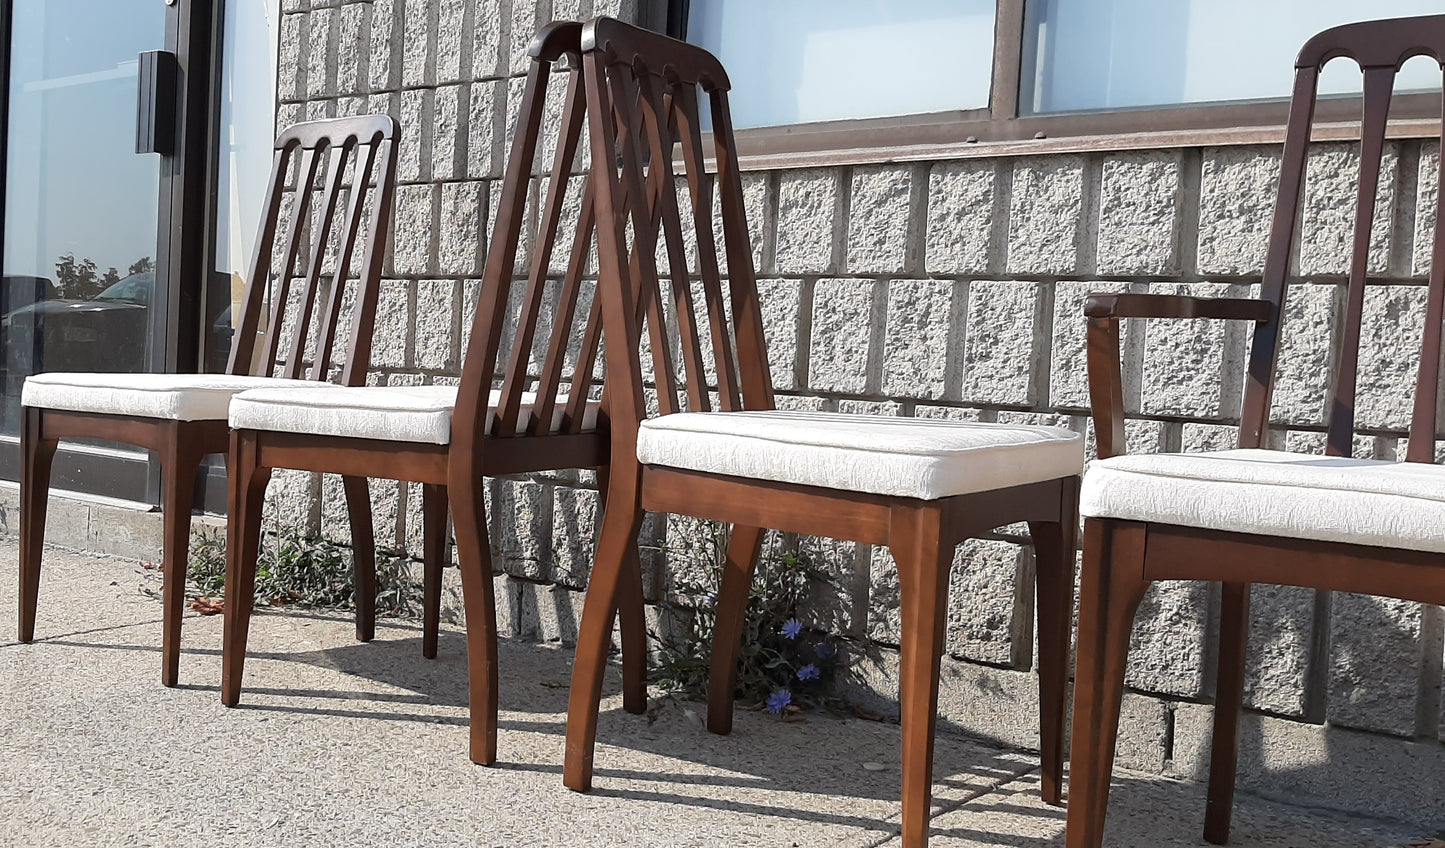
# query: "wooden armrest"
{"type": "Point", "coordinates": [1176, 306]}
{"type": "Point", "coordinates": [1106, 379]}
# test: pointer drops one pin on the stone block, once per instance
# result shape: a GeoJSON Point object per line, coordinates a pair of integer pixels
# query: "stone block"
{"type": "Point", "coordinates": [1045, 215]}
{"type": "Point", "coordinates": [807, 216]}
{"type": "Point", "coordinates": [414, 229]}
{"type": "Point", "coordinates": [459, 238]}
{"type": "Point", "coordinates": [413, 163]}
{"type": "Point", "coordinates": [837, 604]}
{"type": "Point", "coordinates": [988, 618]}
{"type": "Point", "coordinates": [436, 325]}
{"type": "Point", "coordinates": [1277, 663]}
{"type": "Point", "coordinates": [380, 72]}
{"type": "Point", "coordinates": [392, 325]}
{"type": "Point", "coordinates": [451, 34]}
{"type": "Point", "coordinates": [291, 59]}
{"type": "Point", "coordinates": [692, 550]}
{"type": "Point", "coordinates": [1427, 188]}
{"type": "Point", "coordinates": [448, 102]}
{"type": "Point", "coordinates": [526, 16]}
{"type": "Point", "coordinates": [521, 512]}
{"type": "Point", "coordinates": [755, 207]}
{"type": "Point", "coordinates": [1327, 219]}
{"type": "Point", "coordinates": [843, 315]}
{"type": "Point", "coordinates": [484, 161]}
{"type": "Point", "coordinates": [548, 613]}
{"type": "Point", "coordinates": [880, 231]}
{"type": "Point", "coordinates": [960, 218]}
{"type": "Point", "coordinates": [1192, 367]}
{"type": "Point", "coordinates": [1068, 364]}
{"type": "Point", "coordinates": [320, 61]}
{"type": "Point", "coordinates": [1236, 205]}
{"type": "Point", "coordinates": [1138, 214]}
{"type": "Point", "coordinates": [353, 45]}
{"type": "Point", "coordinates": [1390, 337]}
{"type": "Point", "coordinates": [291, 502]}
{"type": "Point", "coordinates": [780, 302]}
{"type": "Point", "coordinates": [574, 527]}
{"type": "Point", "coordinates": [1000, 342]}
{"type": "Point", "coordinates": [418, 27]}
{"type": "Point", "coordinates": [924, 331]}
{"type": "Point", "coordinates": [1376, 661]}
{"type": "Point", "coordinates": [486, 39]}
{"type": "Point", "coordinates": [1201, 438]}
{"type": "Point", "coordinates": [387, 508]}
{"type": "Point", "coordinates": [1306, 365]}
{"type": "Point", "coordinates": [1170, 641]}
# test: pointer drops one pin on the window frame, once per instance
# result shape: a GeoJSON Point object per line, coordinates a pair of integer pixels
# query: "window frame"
{"type": "Point", "coordinates": [1000, 129]}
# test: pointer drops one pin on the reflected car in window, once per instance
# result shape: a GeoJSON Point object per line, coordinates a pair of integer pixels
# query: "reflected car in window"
{"type": "Point", "coordinates": [106, 333]}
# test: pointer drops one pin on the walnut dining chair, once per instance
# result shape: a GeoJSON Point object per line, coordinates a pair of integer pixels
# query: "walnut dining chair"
{"type": "Point", "coordinates": [182, 417]}
{"type": "Point", "coordinates": [446, 437]}
{"type": "Point", "coordinates": [1254, 515]}
{"type": "Point", "coordinates": [918, 487]}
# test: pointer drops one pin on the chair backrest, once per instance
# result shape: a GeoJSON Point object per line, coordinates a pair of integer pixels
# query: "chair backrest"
{"type": "Point", "coordinates": [1380, 48]}
{"type": "Point", "coordinates": [645, 126]}
{"type": "Point", "coordinates": [360, 164]}
{"type": "Point", "coordinates": [546, 342]}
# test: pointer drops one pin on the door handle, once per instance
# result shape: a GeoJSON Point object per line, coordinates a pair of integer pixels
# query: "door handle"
{"type": "Point", "coordinates": [155, 111]}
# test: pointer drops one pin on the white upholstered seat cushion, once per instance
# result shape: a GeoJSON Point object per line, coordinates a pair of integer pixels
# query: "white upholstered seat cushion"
{"type": "Point", "coordinates": [388, 413]}
{"type": "Point", "coordinates": [907, 457]}
{"type": "Point", "coordinates": [179, 397]}
{"type": "Point", "coordinates": [1274, 493]}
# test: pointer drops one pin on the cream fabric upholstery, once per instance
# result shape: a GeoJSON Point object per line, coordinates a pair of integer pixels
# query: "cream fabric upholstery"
{"type": "Point", "coordinates": [179, 397]}
{"type": "Point", "coordinates": [907, 457]}
{"type": "Point", "coordinates": [1273, 493]}
{"type": "Point", "coordinates": [388, 413]}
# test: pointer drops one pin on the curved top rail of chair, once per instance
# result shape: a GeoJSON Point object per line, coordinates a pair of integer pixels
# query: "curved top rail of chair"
{"type": "Point", "coordinates": [554, 40]}
{"type": "Point", "coordinates": [1377, 44]}
{"type": "Point", "coordinates": [366, 129]}
{"type": "Point", "coordinates": [628, 44]}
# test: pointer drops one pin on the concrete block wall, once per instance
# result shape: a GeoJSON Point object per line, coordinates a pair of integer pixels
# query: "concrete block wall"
{"type": "Point", "coordinates": [947, 289]}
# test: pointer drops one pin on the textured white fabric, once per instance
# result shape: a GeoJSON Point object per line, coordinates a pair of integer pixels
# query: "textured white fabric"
{"type": "Point", "coordinates": [179, 397]}
{"type": "Point", "coordinates": [388, 413]}
{"type": "Point", "coordinates": [1274, 493]}
{"type": "Point", "coordinates": [908, 457]}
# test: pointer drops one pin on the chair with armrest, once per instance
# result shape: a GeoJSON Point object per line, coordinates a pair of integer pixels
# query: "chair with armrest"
{"type": "Point", "coordinates": [1253, 515]}
{"type": "Point", "coordinates": [182, 417]}
{"type": "Point", "coordinates": [448, 437]}
{"type": "Point", "coordinates": [919, 487]}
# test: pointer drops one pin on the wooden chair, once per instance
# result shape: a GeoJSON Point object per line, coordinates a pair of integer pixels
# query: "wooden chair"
{"type": "Point", "coordinates": [446, 437]}
{"type": "Point", "coordinates": [182, 417]}
{"type": "Point", "coordinates": [919, 487]}
{"type": "Point", "coordinates": [1252, 515]}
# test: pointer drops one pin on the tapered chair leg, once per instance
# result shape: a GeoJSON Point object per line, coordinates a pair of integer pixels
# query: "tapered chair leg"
{"type": "Point", "coordinates": [179, 466]}
{"type": "Point", "coordinates": [1109, 596]}
{"type": "Point", "coordinates": [732, 608]}
{"type": "Point", "coordinates": [915, 538]}
{"type": "Point", "coordinates": [247, 483]}
{"type": "Point", "coordinates": [1228, 699]}
{"type": "Point", "coordinates": [594, 637]}
{"type": "Point", "coordinates": [434, 558]}
{"type": "Point", "coordinates": [632, 622]}
{"type": "Point", "coordinates": [474, 561]}
{"type": "Point", "coordinates": [1054, 546]}
{"type": "Point", "coordinates": [37, 453]}
{"type": "Point", "coordinates": [363, 553]}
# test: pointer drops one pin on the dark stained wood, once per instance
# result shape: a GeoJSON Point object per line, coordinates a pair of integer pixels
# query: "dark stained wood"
{"type": "Point", "coordinates": [642, 103]}
{"type": "Point", "coordinates": [452, 474]}
{"type": "Point", "coordinates": [1121, 558]}
{"type": "Point", "coordinates": [180, 446]}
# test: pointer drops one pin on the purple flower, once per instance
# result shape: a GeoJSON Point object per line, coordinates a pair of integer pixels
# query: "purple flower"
{"type": "Point", "coordinates": [825, 650]}
{"type": "Point", "coordinates": [792, 627]}
{"type": "Point", "coordinates": [779, 700]}
{"type": "Point", "coordinates": [809, 672]}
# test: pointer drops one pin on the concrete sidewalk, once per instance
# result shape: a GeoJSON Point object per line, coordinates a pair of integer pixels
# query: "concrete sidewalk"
{"type": "Point", "coordinates": [339, 743]}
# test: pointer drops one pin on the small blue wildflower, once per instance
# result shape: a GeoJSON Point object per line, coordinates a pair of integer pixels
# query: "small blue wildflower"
{"type": "Point", "coordinates": [809, 672]}
{"type": "Point", "coordinates": [710, 599]}
{"type": "Point", "coordinates": [825, 650]}
{"type": "Point", "coordinates": [792, 627]}
{"type": "Point", "coordinates": [779, 700]}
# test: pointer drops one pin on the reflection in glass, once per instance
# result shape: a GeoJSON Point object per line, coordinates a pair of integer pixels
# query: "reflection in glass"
{"type": "Point", "coordinates": [823, 60]}
{"type": "Point", "coordinates": [80, 204]}
{"type": "Point", "coordinates": [1084, 55]}
{"type": "Point", "coordinates": [248, 131]}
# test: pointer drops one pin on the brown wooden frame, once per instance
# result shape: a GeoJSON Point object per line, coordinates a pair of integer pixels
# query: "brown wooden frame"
{"type": "Point", "coordinates": [642, 104]}
{"type": "Point", "coordinates": [367, 141]}
{"type": "Point", "coordinates": [1122, 558]}
{"type": "Point", "coordinates": [480, 445]}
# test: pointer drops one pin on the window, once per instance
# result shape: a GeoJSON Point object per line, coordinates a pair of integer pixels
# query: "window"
{"type": "Point", "coordinates": [1084, 55]}
{"type": "Point", "coordinates": [822, 60]}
